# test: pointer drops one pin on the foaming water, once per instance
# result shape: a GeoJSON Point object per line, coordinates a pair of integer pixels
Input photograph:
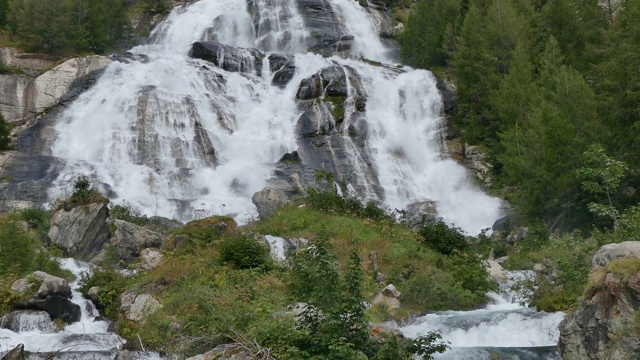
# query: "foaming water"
{"type": "Point", "coordinates": [88, 334]}
{"type": "Point", "coordinates": [181, 138]}
{"type": "Point", "coordinates": [501, 324]}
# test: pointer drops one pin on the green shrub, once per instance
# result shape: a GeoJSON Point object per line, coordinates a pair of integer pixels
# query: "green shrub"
{"type": "Point", "coordinates": [331, 202]}
{"type": "Point", "coordinates": [127, 213]}
{"type": "Point", "coordinates": [5, 128]}
{"type": "Point", "coordinates": [111, 284]}
{"type": "Point", "coordinates": [17, 248]}
{"type": "Point", "coordinates": [245, 253]}
{"type": "Point", "coordinates": [37, 219]}
{"type": "Point", "coordinates": [444, 239]}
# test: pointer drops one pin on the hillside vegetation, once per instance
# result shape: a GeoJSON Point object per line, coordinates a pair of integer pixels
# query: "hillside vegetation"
{"type": "Point", "coordinates": [550, 90]}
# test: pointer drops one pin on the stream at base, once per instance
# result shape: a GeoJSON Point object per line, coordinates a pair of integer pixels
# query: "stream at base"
{"type": "Point", "coordinates": [505, 329]}
{"type": "Point", "coordinates": [89, 338]}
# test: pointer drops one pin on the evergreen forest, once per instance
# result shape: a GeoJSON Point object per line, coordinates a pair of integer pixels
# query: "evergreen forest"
{"type": "Point", "coordinates": [550, 90]}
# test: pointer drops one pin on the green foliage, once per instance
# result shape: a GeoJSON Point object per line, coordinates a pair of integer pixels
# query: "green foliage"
{"type": "Point", "coordinates": [245, 253]}
{"type": "Point", "coordinates": [127, 213]}
{"type": "Point", "coordinates": [333, 324]}
{"type": "Point", "coordinates": [17, 248]}
{"type": "Point", "coordinates": [331, 202]}
{"type": "Point", "coordinates": [444, 239]}
{"type": "Point", "coordinates": [111, 284]}
{"type": "Point", "coordinates": [5, 128]}
{"type": "Point", "coordinates": [37, 219]}
{"type": "Point", "coordinates": [83, 193]}
{"type": "Point", "coordinates": [601, 176]}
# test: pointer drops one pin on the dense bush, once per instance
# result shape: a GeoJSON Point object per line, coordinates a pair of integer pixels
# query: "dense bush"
{"type": "Point", "coordinates": [331, 202]}
{"type": "Point", "coordinates": [444, 239]}
{"type": "Point", "coordinates": [244, 253]}
{"type": "Point", "coordinates": [5, 128]}
{"type": "Point", "coordinates": [127, 213]}
{"type": "Point", "coordinates": [17, 248]}
{"type": "Point", "coordinates": [111, 284]}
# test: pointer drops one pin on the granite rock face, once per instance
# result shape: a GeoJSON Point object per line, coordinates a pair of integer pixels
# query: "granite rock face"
{"type": "Point", "coordinates": [81, 231]}
{"type": "Point", "coordinates": [602, 326]}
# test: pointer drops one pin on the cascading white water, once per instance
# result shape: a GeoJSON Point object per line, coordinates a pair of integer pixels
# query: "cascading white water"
{"type": "Point", "coordinates": [504, 323]}
{"type": "Point", "coordinates": [177, 137]}
{"type": "Point", "coordinates": [88, 334]}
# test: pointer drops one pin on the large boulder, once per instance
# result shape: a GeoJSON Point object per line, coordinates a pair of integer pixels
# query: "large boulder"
{"type": "Point", "coordinates": [268, 201]}
{"type": "Point", "coordinates": [283, 69]}
{"type": "Point", "coordinates": [17, 353]}
{"type": "Point", "coordinates": [130, 239]}
{"type": "Point", "coordinates": [81, 231]}
{"type": "Point", "coordinates": [228, 57]}
{"type": "Point", "coordinates": [49, 285]}
{"type": "Point", "coordinates": [138, 307]}
{"type": "Point", "coordinates": [389, 296]}
{"type": "Point", "coordinates": [610, 252]}
{"type": "Point", "coordinates": [56, 306]}
{"type": "Point", "coordinates": [420, 211]}
{"type": "Point", "coordinates": [150, 259]}
{"type": "Point", "coordinates": [601, 327]}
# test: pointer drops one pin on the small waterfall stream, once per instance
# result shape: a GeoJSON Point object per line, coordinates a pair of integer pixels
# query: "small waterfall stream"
{"type": "Point", "coordinates": [91, 334]}
{"type": "Point", "coordinates": [505, 329]}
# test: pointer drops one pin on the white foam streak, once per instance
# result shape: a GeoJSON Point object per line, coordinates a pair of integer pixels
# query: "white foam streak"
{"type": "Point", "coordinates": [359, 24]}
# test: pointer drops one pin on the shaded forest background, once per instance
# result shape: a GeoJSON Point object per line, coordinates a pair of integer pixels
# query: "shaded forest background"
{"type": "Point", "coordinates": [550, 89]}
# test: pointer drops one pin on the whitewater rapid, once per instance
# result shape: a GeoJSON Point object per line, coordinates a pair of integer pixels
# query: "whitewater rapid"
{"type": "Point", "coordinates": [134, 132]}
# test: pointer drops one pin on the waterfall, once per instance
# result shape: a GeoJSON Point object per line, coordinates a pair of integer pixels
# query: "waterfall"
{"type": "Point", "coordinates": [179, 137]}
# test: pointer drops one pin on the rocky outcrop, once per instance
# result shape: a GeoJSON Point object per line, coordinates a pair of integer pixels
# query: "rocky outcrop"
{"type": "Point", "coordinates": [81, 231]}
{"type": "Point", "coordinates": [283, 69]}
{"type": "Point", "coordinates": [52, 296]}
{"type": "Point", "coordinates": [268, 201]}
{"type": "Point", "coordinates": [389, 296]}
{"type": "Point", "coordinates": [150, 259]}
{"type": "Point", "coordinates": [29, 63]}
{"type": "Point", "coordinates": [611, 252]}
{"type": "Point", "coordinates": [17, 353]}
{"type": "Point", "coordinates": [229, 58]}
{"type": "Point", "coordinates": [25, 97]}
{"type": "Point", "coordinates": [129, 240]}
{"type": "Point", "coordinates": [602, 326]}
{"type": "Point", "coordinates": [137, 307]}
{"type": "Point", "coordinates": [49, 285]}
{"type": "Point", "coordinates": [323, 26]}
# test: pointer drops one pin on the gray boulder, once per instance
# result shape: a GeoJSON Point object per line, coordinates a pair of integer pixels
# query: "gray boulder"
{"type": "Point", "coordinates": [283, 69]}
{"type": "Point", "coordinates": [47, 285]}
{"type": "Point", "coordinates": [130, 239]}
{"type": "Point", "coordinates": [229, 58]}
{"type": "Point", "coordinates": [17, 353]}
{"type": "Point", "coordinates": [80, 232]}
{"type": "Point", "coordinates": [389, 296]}
{"type": "Point", "coordinates": [611, 252]}
{"type": "Point", "coordinates": [56, 306]}
{"type": "Point", "coordinates": [268, 201]}
{"type": "Point", "coordinates": [137, 307]}
{"type": "Point", "coordinates": [150, 259]}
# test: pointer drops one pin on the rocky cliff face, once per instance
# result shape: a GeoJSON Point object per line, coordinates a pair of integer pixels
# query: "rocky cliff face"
{"type": "Point", "coordinates": [606, 325]}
